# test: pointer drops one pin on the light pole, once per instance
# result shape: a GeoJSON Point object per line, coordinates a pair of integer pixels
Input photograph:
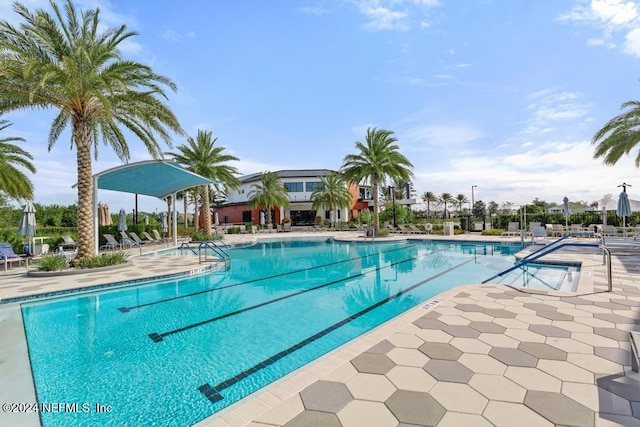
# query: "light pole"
{"type": "Point", "coordinates": [472, 199]}
{"type": "Point", "coordinates": [392, 192]}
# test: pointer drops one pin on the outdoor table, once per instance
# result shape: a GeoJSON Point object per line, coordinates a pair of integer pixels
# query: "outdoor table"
{"type": "Point", "coordinates": [38, 247]}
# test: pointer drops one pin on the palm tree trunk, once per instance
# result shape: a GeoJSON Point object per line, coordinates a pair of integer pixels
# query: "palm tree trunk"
{"type": "Point", "coordinates": [196, 202]}
{"type": "Point", "coordinates": [185, 201]}
{"type": "Point", "coordinates": [82, 136]}
{"type": "Point", "coordinates": [206, 209]}
{"type": "Point", "coordinates": [376, 214]}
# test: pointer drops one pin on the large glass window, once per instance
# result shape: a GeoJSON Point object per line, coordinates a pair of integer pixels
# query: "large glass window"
{"type": "Point", "coordinates": [303, 217]}
{"type": "Point", "coordinates": [365, 193]}
{"type": "Point", "coordinates": [310, 186]}
{"type": "Point", "coordinates": [293, 187]}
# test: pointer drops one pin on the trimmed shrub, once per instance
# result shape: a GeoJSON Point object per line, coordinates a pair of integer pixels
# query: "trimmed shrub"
{"type": "Point", "coordinates": [52, 263]}
{"type": "Point", "coordinates": [105, 260]}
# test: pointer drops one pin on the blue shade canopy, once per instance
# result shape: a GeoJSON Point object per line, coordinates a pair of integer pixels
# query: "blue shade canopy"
{"type": "Point", "coordinates": [151, 178]}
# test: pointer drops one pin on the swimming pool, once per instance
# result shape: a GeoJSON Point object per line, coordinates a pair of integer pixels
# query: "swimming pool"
{"type": "Point", "coordinates": [175, 352]}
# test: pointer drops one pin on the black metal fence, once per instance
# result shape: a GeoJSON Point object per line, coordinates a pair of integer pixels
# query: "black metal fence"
{"type": "Point", "coordinates": [584, 218]}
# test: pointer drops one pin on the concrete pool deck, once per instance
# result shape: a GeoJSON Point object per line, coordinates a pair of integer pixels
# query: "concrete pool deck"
{"type": "Point", "coordinates": [478, 355]}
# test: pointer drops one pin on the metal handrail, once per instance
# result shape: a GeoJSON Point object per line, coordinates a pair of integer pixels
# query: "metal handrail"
{"type": "Point", "coordinates": [607, 258]}
{"type": "Point", "coordinates": [214, 248]}
{"type": "Point", "coordinates": [551, 245]}
{"type": "Point", "coordinates": [130, 241]}
{"type": "Point", "coordinates": [528, 259]}
{"type": "Point", "coordinates": [185, 245]}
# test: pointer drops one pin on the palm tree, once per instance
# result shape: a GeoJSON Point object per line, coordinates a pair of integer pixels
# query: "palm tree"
{"type": "Point", "coordinates": [73, 64]}
{"type": "Point", "coordinates": [460, 201]}
{"type": "Point", "coordinates": [619, 135]}
{"type": "Point", "coordinates": [332, 193]}
{"type": "Point", "coordinates": [429, 197]}
{"type": "Point", "coordinates": [444, 199]}
{"type": "Point", "coordinates": [202, 156]}
{"type": "Point", "coordinates": [13, 182]}
{"type": "Point", "coordinates": [377, 159]}
{"type": "Point", "coordinates": [269, 194]}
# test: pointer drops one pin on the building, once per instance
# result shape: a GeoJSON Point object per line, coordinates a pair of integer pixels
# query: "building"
{"type": "Point", "coordinates": [299, 184]}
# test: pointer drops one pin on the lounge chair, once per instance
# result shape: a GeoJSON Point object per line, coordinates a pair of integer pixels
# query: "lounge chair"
{"type": "Point", "coordinates": [286, 227]}
{"type": "Point", "coordinates": [415, 229]}
{"type": "Point", "coordinates": [158, 237]}
{"type": "Point", "coordinates": [150, 238]}
{"type": "Point", "coordinates": [8, 256]}
{"type": "Point", "coordinates": [539, 232]}
{"type": "Point", "coordinates": [67, 244]}
{"type": "Point", "coordinates": [404, 229]}
{"type": "Point", "coordinates": [126, 241]}
{"type": "Point", "coordinates": [513, 229]}
{"type": "Point", "coordinates": [112, 243]}
{"type": "Point", "coordinates": [138, 240]}
{"type": "Point", "coordinates": [278, 228]}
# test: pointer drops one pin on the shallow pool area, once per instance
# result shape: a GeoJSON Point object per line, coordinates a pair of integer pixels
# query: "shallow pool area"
{"type": "Point", "coordinates": [175, 352]}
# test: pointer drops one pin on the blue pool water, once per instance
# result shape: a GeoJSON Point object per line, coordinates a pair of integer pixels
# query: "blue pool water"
{"type": "Point", "coordinates": [175, 352]}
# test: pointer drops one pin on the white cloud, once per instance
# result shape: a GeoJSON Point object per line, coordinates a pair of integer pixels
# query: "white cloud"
{"type": "Point", "coordinates": [436, 136]}
{"type": "Point", "coordinates": [632, 42]}
{"type": "Point", "coordinates": [548, 107]}
{"type": "Point", "coordinates": [397, 15]}
{"type": "Point", "coordinates": [617, 20]}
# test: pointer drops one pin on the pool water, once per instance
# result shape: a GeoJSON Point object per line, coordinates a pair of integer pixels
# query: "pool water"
{"type": "Point", "coordinates": [175, 352]}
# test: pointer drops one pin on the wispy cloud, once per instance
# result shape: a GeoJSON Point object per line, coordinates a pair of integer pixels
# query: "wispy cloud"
{"type": "Point", "coordinates": [399, 15]}
{"type": "Point", "coordinates": [548, 107]}
{"type": "Point", "coordinates": [313, 10]}
{"type": "Point", "coordinates": [617, 20]}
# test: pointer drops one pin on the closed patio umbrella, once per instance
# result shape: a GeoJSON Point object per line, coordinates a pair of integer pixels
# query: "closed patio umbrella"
{"type": "Point", "coordinates": [164, 225]}
{"type": "Point", "coordinates": [262, 220]}
{"type": "Point", "coordinates": [28, 223]}
{"type": "Point", "coordinates": [624, 208]}
{"type": "Point", "coordinates": [216, 219]}
{"type": "Point", "coordinates": [122, 220]}
{"type": "Point", "coordinates": [565, 210]}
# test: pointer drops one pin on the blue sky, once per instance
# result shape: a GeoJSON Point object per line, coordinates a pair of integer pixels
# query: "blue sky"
{"type": "Point", "coordinates": [505, 95]}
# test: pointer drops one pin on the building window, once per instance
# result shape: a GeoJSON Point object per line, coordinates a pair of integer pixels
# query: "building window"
{"type": "Point", "coordinates": [293, 187]}
{"type": "Point", "coordinates": [246, 216]}
{"type": "Point", "coordinates": [364, 193]}
{"type": "Point", "coordinates": [310, 186]}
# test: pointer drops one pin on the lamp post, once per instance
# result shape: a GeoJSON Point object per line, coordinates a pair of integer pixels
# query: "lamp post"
{"type": "Point", "coordinates": [392, 192]}
{"type": "Point", "coordinates": [473, 202]}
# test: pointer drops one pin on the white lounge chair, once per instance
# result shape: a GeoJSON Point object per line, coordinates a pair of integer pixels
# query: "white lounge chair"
{"type": "Point", "coordinates": [513, 229]}
{"type": "Point", "coordinates": [112, 243]}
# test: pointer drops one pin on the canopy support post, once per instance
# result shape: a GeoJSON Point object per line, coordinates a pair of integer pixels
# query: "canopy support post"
{"type": "Point", "coordinates": [96, 229]}
{"type": "Point", "coordinates": [175, 220]}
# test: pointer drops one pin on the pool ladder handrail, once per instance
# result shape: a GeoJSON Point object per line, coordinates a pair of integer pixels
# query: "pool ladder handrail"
{"type": "Point", "coordinates": [130, 242]}
{"type": "Point", "coordinates": [186, 245]}
{"type": "Point", "coordinates": [224, 255]}
{"type": "Point", "coordinates": [545, 250]}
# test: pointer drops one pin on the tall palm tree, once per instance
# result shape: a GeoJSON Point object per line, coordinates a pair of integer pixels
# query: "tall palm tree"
{"type": "Point", "coordinates": [378, 158]}
{"type": "Point", "coordinates": [444, 199]}
{"type": "Point", "coordinates": [460, 201]}
{"type": "Point", "coordinates": [269, 194]}
{"type": "Point", "coordinates": [429, 197]}
{"type": "Point", "coordinates": [202, 156]}
{"type": "Point", "coordinates": [619, 135]}
{"type": "Point", "coordinates": [72, 63]}
{"type": "Point", "coordinates": [13, 182]}
{"type": "Point", "coordinates": [332, 193]}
